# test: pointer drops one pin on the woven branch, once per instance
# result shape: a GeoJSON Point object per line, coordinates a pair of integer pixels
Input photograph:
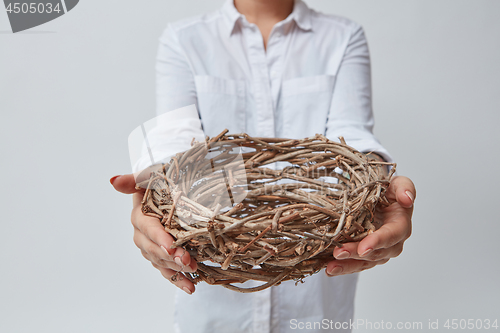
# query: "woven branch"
{"type": "Point", "coordinates": [288, 220]}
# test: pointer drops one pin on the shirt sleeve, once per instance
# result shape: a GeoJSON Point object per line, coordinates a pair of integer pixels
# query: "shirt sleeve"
{"type": "Point", "coordinates": [177, 120]}
{"type": "Point", "coordinates": [175, 86]}
{"type": "Point", "coordinates": [350, 112]}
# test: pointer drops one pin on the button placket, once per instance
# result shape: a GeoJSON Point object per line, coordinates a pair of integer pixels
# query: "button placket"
{"type": "Point", "coordinates": [261, 81]}
{"type": "Point", "coordinates": [265, 127]}
{"type": "Point", "coordinates": [262, 311]}
{"type": "Point", "coordinates": [275, 62]}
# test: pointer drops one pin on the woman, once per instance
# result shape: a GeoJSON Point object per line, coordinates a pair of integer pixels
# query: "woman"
{"type": "Point", "coordinates": [272, 69]}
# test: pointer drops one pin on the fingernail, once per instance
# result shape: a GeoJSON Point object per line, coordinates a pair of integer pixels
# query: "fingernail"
{"type": "Point", "coordinates": [410, 195]}
{"type": "Point", "coordinates": [366, 252]}
{"type": "Point", "coordinates": [187, 269]}
{"type": "Point", "coordinates": [343, 255]}
{"type": "Point", "coordinates": [335, 270]}
{"type": "Point", "coordinates": [186, 289]}
{"type": "Point", "coordinates": [112, 180]}
{"type": "Point", "coordinates": [166, 251]}
{"type": "Point", "coordinates": [178, 261]}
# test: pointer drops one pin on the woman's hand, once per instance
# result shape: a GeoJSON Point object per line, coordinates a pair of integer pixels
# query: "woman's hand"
{"type": "Point", "coordinates": [153, 241]}
{"type": "Point", "coordinates": [387, 241]}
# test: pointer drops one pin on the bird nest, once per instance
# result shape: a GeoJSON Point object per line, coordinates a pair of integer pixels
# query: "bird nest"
{"type": "Point", "coordinates": [265, 209]}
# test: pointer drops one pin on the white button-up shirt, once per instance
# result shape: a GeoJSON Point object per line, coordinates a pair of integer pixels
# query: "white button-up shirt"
{"type": "Point", "coordinates": [313, 78]}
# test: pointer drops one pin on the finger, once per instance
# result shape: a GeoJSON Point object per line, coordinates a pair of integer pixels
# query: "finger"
{"type": "Point", "coordinates": [153, 229]}
{"type": "Point", "coordinates": [124, 183]}
{"type": "Point", "coordinates": [396, 230]}
{"type": "Point", "coordinates": [402, 190]}
{"type": "Point", "coordinates": [160, 257]}
{"type": "Point", "coordinates": [346, 251]}
{"type": "Point", "coordinates": [150, 250]}
{"type": "Point", "coordinates": [343, 267]}
{"type": "Point", "coordinates": [181, 257]}
{"type": "Point", "coordinates": [177, 279]}
{"type": "Point", "coordinates": [146, 245]}
{"type": "Point", "coordinates": [163, 263]}
{"type": "Point", "coordinates": [168, 263]}
{"type": "Point", "coordinates": [137, 199]}
{"type": "Point", "coordinates": [350, 251]}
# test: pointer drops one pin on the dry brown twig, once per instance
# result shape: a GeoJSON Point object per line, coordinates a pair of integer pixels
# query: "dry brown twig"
{"type": "Point", "coordinates": [290, 218]}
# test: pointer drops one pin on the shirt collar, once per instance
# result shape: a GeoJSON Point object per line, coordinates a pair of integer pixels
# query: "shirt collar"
{"type": "Point", "coordinates": [301, 14]}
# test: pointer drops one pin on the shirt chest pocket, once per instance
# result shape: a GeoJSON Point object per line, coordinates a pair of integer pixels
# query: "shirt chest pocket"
{"type": "Point", "coordinates": [305, 104]}
{"type": "Point", "coordinates": [221, 103]}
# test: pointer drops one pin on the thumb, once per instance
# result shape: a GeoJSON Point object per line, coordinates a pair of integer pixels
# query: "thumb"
{"type": "Point", "coordinates": [403, 191]}
{"type": "Point", "coordinates": [124, 183]}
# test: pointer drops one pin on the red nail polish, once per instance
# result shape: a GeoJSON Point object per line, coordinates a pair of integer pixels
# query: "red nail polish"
{"type": "Point", "coordinates": [113, 179]}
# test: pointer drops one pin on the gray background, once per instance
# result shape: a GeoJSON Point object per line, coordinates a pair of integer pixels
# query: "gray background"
{"type": "Point", "coordinates": [73, 89]}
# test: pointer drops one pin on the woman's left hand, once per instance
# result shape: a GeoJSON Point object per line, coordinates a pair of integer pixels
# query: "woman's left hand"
{"type": "Point", "coordinates": [386, 242]}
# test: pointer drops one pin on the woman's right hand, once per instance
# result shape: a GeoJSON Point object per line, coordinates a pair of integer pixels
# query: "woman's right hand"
{"type": "Point", "coordinates": [153, 241]}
